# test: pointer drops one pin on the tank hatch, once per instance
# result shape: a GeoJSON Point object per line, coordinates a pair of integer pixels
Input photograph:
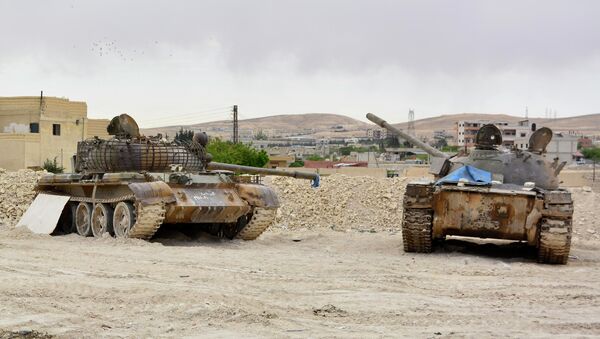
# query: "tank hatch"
{"type": "Point", "coordinates": [488, 137]}
{"type": "Point", "coordinates": [540, 139]}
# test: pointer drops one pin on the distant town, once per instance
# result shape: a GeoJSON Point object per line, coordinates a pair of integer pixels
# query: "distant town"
{"type": "Point", "coordinates": [37, 128]}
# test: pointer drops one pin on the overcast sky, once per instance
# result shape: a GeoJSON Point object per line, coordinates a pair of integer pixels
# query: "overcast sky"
{"type": "Point", "coordinates": [164, 61]}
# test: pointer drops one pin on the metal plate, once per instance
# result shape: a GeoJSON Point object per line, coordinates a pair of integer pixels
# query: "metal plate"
{"type": "Point", "coordinates": [43, 214]}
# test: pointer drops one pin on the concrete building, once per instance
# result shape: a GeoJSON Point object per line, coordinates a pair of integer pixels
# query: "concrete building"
{"type": "Point", "coordinates": [36, 128]}
{"type": "Point", "coordinates": [375, 133]}
{"type": "Point", "coordinates": [513, 135]}
{"type": "Point", "coordinates": [562, 146]}
{"type": "Point", "coordinates": [277, 161]}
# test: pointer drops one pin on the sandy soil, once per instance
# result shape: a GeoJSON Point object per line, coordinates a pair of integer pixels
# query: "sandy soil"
{"type": "Point", "coordinates": [292, 284]}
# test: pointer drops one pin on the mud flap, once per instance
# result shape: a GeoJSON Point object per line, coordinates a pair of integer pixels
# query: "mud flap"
{"type": "Point", "coordinates": [42, 215]}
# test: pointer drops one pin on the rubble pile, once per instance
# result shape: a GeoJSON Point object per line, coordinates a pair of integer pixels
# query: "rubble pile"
{"type": "Point", "coordinates": [16, 194]}
{"type": "Point", "coordinates": [586, 218]}
{"type": "Point", "coordinates": [341, 203]}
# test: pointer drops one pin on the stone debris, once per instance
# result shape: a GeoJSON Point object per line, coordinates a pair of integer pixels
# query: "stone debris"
{"type": "Point", "coordinates": [329, 311]}
{"type": "Point", "coordinates": [586, 218]}
{"type": "Point", "coordinates": [342, 203]}
{"type": "Point", "coordinates": [16, 194]}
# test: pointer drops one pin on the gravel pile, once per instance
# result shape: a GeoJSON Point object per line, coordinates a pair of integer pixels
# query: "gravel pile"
{"type": "Point", "coordinates": [16, 194]}
{"type": "Point", "coordinates": [586, 218]}
{"type": "Point", "coordinates": [341, 203]}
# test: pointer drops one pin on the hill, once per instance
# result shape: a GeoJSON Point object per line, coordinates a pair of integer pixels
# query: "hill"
{"type": "Point", "coordinates": [584, 124]}
{"type": "Point", "coordinates": [323, 124]}
{"type": "Point", "coordinates": [317, 124]}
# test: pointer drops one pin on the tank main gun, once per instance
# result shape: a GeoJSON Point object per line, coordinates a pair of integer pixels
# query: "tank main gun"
{"type": "Point", "coordinates": [314, 177]}
{"type": "Point", "coordinates": [425, 147]}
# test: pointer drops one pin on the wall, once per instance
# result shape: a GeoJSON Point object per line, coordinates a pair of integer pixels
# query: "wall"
{"type": "Point", "coordinates": [96, 128]}
{"type": "Point", "coordinates": [351, 171]}
{"type": "Point", "coordinates": [19, 111]}
{"type": "Point", "coordinates": [21, 151]}
{"type": "Point", "coordinates": [34, 148]}
{"type": "Point", "coordinates": [562, 147]}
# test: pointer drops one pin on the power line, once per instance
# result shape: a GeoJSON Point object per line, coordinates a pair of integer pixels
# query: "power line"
{"type": "Point", "coordinates": [187, 118]}
{"type": "Point", "coordinates": [223, 114]}
{"type": "Point", "coordinates": [198, 113]}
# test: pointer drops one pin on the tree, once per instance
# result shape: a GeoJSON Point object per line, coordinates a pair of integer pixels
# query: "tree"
{"type": "Point", "coordinates": [440, 143]}
{"type": "Point", "coordinates": [346, 150]}
{"type": "Point", "coordinates": [391, 142]}
{"type": "Point", "coordinates": [591, 153]}
{"type": "Point", "coordinates": [315, 157]}
{"type": "Point", "coordinates": [297, 163]}
{"type": "Point", "coordinates": [184, 135]}
{"type": "Point", "coordinates": [52, 166]}
{"type": "Point", "coordinates": [237, 154]}
{"type": "Point", "coordinates": [261, 135]}
{"type": "Point", "coordinates": [452, 149]}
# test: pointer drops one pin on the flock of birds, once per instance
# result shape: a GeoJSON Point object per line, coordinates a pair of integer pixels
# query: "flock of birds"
{"type": "Point", "coordinates": [106, 47]}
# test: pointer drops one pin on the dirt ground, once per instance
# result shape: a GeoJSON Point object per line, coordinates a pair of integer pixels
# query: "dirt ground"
{"type": "Point", "coordinates": [292, 284]}
{"type": "Point", "coordinates": [298, 282]}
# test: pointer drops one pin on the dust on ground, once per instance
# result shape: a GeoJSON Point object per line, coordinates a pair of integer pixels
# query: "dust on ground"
{"type": "Point", "coordinates": [310, 281]}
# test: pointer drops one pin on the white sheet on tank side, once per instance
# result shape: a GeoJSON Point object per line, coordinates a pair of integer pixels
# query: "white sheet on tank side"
{"type": "Point", "coordinates": [43, 214]}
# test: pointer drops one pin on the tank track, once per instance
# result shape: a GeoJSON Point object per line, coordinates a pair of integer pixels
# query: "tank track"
{"type": "Point", "coordinates": [262, 218]}
{"type": "Point", "coordinates": [148, 220]}
{"type": "Point", "coordinates": [555, 230]}
{"type": "Point", "coordinates": [417, 226]}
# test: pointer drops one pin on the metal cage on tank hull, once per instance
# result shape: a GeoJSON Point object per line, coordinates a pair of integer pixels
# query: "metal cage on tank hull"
{"type": "Point", "coordinates": [134, 155]}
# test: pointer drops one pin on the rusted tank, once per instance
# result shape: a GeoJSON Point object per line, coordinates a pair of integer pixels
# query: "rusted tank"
{"type": "Point", "coordinates": [129, 185]}
{"type": "Point", "coordinates": [522, 201]}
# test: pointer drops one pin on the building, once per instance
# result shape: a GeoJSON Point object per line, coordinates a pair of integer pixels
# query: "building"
{"type": "Point", "coordinates": [37, 128]}
{"type": "Point", "coordinates": [562, 146]}
{"type": "Point", "coordinates": [585, 142]}
{"type": "Point", "coordinates": [513, 135]}
{"type": "Point", "coordinates": [375, 133]}
{"type": "Point", "coordinates": [322, 147]}
{"type": "Point", "coordinates": [276, 161]}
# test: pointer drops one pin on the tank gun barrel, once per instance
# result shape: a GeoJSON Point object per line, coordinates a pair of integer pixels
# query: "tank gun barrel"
{"type": "Point", "coordinates": [430, 150]}
{"type": "Point", "coordinates": [266, 171]}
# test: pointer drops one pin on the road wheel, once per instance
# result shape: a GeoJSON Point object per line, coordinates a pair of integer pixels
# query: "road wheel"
{"type": "Point", "coordinates": [83, 215]}
{"type": "Point", "coordinates": [102, 219]}
{"type": "Point", "coordinates": [123, 219]}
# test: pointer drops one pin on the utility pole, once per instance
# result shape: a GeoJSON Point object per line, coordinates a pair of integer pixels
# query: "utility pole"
{"type": "Point", "coordinates": [411, 122]}
{"type": "Point", "coordinates": [236, 135]}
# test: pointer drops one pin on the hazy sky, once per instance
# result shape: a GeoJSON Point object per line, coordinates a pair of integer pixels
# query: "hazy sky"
{"type": "Point", "coordinates": [162, 61]}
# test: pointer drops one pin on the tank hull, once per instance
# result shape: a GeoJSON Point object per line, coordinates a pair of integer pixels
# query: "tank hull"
{"type": "Point", "coordinates": [540, 218]}
{"type": "Point", "coordinates": [209, 199]}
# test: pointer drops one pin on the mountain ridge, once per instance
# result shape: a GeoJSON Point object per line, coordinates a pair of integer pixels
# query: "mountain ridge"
{"type": "Point", "coordinates": [323, 124]}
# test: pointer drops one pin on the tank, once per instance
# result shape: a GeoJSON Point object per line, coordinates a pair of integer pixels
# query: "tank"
{"type": "Point", "coordinates": [521, 202]}
{"type": "Point", "coordinates": [130, 185]}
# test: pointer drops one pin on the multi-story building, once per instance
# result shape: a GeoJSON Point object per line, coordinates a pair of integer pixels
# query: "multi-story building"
{"type": "Point", "coordinates": [513, 135]}
{"type": "Point", "coordinates": [36, 129]}
{"type": "Point", "coordinates": [375, 133]}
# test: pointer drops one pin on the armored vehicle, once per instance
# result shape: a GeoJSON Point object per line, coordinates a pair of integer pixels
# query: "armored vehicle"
{"type": "Point", "coordinates": [129, 185]}
{"type": "Point", "coordinates": [492, 192]}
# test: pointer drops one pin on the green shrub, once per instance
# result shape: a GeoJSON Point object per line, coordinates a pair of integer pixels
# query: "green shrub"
{"type": "Point", "coordinates": [52, 166]}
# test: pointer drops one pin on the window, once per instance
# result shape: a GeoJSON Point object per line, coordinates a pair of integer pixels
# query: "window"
{"type": "Point", "coordinates": [55, 129]}
{"type": "Point", "coordinates": [34, 127]}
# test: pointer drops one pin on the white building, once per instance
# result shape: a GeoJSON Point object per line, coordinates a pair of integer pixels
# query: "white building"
{"type": "Point", "coordinates": [562, 146]}
{"type": "Point", "coordinates": [513, 135]}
